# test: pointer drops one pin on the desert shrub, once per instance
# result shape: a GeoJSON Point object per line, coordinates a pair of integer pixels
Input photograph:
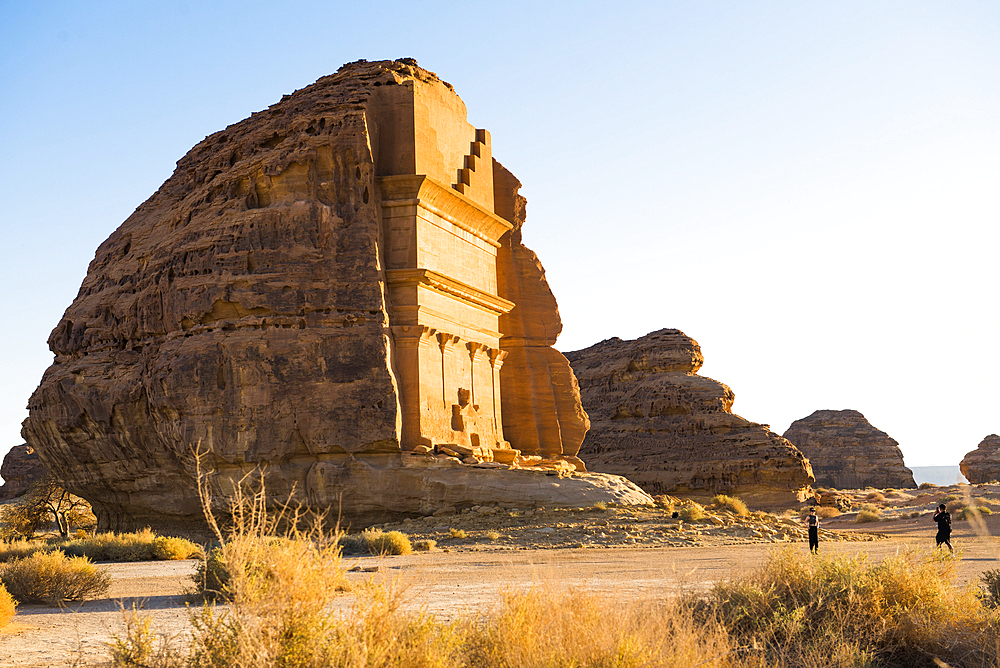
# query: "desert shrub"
{"type": "Point", "coordinates": [733, 504]}
{"type": "Point", "coordinates": [948, 498]}
{"type": "Point", "coordinates": [897, 612]}
{"type": "Point", "coordinates": [376, 541]}
{"type": "Point", "coordinates": [492, 535]}
{"type": "Point", "coordinates": [211, 576]}
{"type": "Point", "coordinates": [692, 512]}
{"type": "Point", "coordinates": [926, 485]}
{"type": "Point", "coordinates": [826, 512]}
{"type": "Point", "coordinates": [8, 607]}
{"type": "Point", "coordinates": [457, 533]}
{"type": "Point", "coordinates": [969, 512]}
{"type": "Point", "coordinates": [52, 577]}
{"type": "Point", "coordinates": [171, 548]}
{"type": "Point", "coordinates": [138, 546]}
{"type": "Point", "coordinates": [989, 587]}
{"type": "Point", "coordinates": [868, 516]}
{"type": "Point", "coordinates": [875, 497]}
{"type": "Point", "coordinates": [599, 506]}
{"type": "Point", "coordinates": [426, 545]}
{"type": "Point", "coordinates": [18, 549]}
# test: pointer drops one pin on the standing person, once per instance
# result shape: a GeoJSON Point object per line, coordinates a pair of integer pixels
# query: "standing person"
{"type": "Point", "coordinates": [943, 519]}
{"type": "Point", "coordinates": [812, 521]}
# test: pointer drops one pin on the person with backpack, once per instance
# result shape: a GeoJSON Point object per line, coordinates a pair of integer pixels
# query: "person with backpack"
{"type": "Point", "coordinates": [943, 519]}
{"type": "Point", "coordinates": [812, 522]}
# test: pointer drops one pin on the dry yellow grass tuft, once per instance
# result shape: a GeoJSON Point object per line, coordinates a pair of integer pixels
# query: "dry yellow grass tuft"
{"type": "Point", "coordinates": [8, 607]}
{"type": "Point", "coordinates": [733, 504]}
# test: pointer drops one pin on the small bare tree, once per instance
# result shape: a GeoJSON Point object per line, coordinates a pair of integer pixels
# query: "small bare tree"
{"type": "Point", "coordinates": [47, 501]}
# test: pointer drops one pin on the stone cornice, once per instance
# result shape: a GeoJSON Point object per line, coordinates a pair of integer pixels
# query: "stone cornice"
{"type": "Point", "coordinates": [449, 286]}
{"type": "Point", "coordinates": [446, 202]}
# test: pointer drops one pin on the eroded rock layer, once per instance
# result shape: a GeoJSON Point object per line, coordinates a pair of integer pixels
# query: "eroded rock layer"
{"type": "Point", "coordinates": [20, 470]}
{"type": "Point", "coordinates": [847, 452]}
{"type": "Point", "coordinates": [657, 422]}
{"type": "Point", "coordinates": [982, 465]}
{"type": "Point", "coordinates": [325, 285]}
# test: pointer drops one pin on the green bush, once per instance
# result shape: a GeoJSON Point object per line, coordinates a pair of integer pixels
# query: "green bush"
{"type": "Point", "coordinates": [733, 504]}
{"type": "Point", "coordinates": [8, 606]}
{"type": "Point", "coordinates": [52, 577]}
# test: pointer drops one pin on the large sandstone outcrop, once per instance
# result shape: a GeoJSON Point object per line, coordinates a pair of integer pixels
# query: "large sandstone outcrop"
{"type": "Point", "coordinates": [982, 465]}
{"type": "Point", "coordinates": [847, 452]}
{"type": "Point", "coordinates": [20, 470]}
{"type": "Point", "coordinates": [657, 422]}
{"type": "Point", "coordinates": [334, 288]}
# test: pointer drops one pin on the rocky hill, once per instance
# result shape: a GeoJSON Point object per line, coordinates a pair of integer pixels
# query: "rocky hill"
{"type": "Point", "coordinates": [982, 465]}
{"type": "Point", "coordinates": [20, 470]}
{"type": "Point", "coordinates": [333, 289]}
{"type": "Point", "coordinates": [660, 424]}
{"type": "Point", "coordinates": [847, 452]}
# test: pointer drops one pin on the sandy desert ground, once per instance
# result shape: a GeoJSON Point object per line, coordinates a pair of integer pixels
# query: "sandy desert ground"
{"type": "Point", "coordinates": [468, 577]}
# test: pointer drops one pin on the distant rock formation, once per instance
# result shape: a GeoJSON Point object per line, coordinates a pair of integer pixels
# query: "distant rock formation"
{"type": "Point", "coordinates": [20, 470]}
{"type": "Point", "coordinates": [847, 452]}
{"type": "Point", "coordinates": [982, 465]}
{"type": "Point", "coordinates": [656, 422]}
{"type": "Point", "coordinates": [334, 288]}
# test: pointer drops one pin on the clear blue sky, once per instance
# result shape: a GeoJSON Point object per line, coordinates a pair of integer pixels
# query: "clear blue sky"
{"type": "Point", "coordinates": [810, 190]}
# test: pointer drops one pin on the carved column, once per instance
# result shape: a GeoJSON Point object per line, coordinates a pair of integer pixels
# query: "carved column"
{"type": "Point", "coordinates": [496, 361]}
{"type": "Point", "coordinates": [411, 343]}
{"type": "Point", "coordinates": [443, 340]}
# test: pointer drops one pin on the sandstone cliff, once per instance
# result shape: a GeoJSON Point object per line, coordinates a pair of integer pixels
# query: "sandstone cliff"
{"type": "Point", "coordinates": [655, 421]}
{"type": "Point", "coordinates": [20, 470]}
{"type": "Point", "coordinates": [325, 285]}
{"type": "Point", "coordinates": [982, 465]}
{"type": "Point", "coordinates": [847, 452]}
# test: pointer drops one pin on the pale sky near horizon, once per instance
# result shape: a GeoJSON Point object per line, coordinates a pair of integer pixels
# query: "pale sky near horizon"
{"type": "Point", "coordinates": [810, 190]}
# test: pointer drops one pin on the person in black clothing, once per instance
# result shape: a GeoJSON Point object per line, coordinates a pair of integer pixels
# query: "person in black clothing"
{"type": "Point", "coordinates": [943, 519]}
{"type": "Point", "coordinates": [812, 521]}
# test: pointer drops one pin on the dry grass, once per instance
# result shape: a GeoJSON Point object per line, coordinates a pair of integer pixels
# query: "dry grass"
{"type": "Point", "coordinates": [424, 545]}
{"type": "Point", "coordinates": [549, 626]}
{"type": "Point", "coordinates": [52, 577]}
{"type": "Point", "coordinates": [377, 542]}
{"type": "Point", "coordinates": [143, 545]}
{"type": "Point", "coordinates": [692, 512]}
{"type": "Point", "coordinates": [826, 512]}
{"type": "Point", "coordinates": [868, 516]}
{"type": "Point", "coordinates": [733, 504]}
{"type": "Point", "coordinates": [8, 607]}
{"type": "Point", "coordinates": [846, 611]}
{"type": "Point", "coordinates": [875, 497]}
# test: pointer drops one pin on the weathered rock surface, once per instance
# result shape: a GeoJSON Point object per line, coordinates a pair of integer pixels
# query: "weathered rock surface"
{"type": "Point", "coordinates": [847, 452]}
{"type": "Point", "coordinates": [330, 283]}
{"type": "Point", "coordinates": [982, 465]}
{"type": "Point", "coordinates": [655, 421]}
{"type": "Point", "coordinates": [20, 470]}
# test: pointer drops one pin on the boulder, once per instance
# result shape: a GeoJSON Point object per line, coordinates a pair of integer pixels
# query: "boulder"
{"type": "Point", "coordinates": [21, 469]}
{"type": "Point", "coordinates": [847, 452]}
{"type": "Point", "coordinates": [660, 424]}
{"type": "Point", "coordinates": [318, 289]}
{"type": "Point", "coordinates": [982, 465]}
